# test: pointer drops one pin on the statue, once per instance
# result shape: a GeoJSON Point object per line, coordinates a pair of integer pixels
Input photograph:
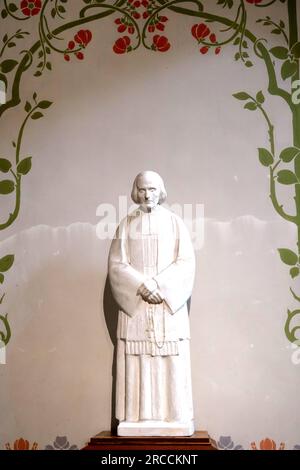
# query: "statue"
{"type": "Point", "coordinates": [151, 272]}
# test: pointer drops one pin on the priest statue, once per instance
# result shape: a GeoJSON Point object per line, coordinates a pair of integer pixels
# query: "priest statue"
{"type": "Point", "coordinates": [151, 272]}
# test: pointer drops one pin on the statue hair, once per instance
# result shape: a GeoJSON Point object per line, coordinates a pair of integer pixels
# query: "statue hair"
{"type": "Point", "coordinates": [163, 192]}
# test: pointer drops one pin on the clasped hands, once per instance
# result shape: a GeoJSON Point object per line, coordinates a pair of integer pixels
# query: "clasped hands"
{"type": "Point", "coordinates": [150, 292]}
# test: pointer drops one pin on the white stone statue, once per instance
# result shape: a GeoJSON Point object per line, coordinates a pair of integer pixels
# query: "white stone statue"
{"type": "Point", "coordinates": [151, 272]}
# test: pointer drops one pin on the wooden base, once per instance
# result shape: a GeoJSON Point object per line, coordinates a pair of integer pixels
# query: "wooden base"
{"type": "Point", "coordinates": [103, 441]}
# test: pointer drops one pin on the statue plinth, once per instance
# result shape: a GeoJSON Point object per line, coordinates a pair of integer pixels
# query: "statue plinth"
{"type": "Point", "coordinates": [103, 441]}
{"type": "Point", "coordinates": [151, 428]}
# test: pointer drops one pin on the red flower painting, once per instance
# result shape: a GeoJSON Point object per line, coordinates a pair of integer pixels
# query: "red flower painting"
{"type": "Point", "coordinates": [30, 7]}
{"type": "Point", "coordinates": [22, 444]}
{"type": "Point", "coordinates": [267, 444]}
{"type": "Point", "coordinates": [123, 26]}
{"type": "Point", "coordinates": [160, 43]}
{"type": "Point", "coordinates": [83, 37]}
{"type": "Point", "coordinates": [122, 45]}
{"type": "Point", "coordinates": [200, 31]}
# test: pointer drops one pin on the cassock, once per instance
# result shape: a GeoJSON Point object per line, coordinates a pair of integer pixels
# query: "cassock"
{"type": "Point", "coordinates": [153, 350]}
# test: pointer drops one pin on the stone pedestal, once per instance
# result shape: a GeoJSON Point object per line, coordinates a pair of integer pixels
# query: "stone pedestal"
{"type": "Point", "coordinates": [103, 441]}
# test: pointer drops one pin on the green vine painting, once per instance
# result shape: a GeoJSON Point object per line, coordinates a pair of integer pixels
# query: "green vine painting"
{"type": "Point", "coordinates": [144, 24]}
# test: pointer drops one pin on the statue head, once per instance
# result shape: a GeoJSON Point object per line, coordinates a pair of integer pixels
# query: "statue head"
{"type": "Point", "coordinates": [148, 190]}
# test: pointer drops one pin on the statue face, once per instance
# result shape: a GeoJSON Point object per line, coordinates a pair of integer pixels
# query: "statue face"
{"type": "Point", "coordinates": [148, 191]}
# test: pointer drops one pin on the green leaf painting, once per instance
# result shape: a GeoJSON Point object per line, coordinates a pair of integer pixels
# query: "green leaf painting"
{"type": "Point", "coordinates": [265, 157]}
{"type": "Point", "coordinates": [6, 263]}
{"type": "Point", "coordinates": [288, 256]}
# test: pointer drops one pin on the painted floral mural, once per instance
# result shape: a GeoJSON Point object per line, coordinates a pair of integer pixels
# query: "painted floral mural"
{"type": "Point", "coordinates": [223, 443]}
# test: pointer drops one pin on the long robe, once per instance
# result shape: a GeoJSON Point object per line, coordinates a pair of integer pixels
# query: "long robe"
{"type": "Point", "coordinates": [153, 353]}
